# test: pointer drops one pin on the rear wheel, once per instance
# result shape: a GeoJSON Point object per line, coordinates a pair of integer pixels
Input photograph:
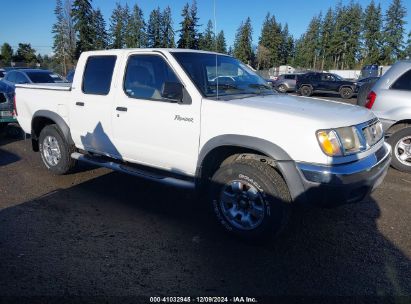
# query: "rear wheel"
{"type": "Point", "coordinates": [306, 90]}
{"type": "Point", "coordinates": [346, 92]}
{"type": "Point", "coordinates": [401, 145]}
{"type": "Point", "coordinates": [250, 199]}
{"type": "Point", "coordinates": [55, 151]}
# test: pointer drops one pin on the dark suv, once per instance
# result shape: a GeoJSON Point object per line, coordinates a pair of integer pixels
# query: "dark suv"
{"type": "Point", "coordinates": [314, 82]}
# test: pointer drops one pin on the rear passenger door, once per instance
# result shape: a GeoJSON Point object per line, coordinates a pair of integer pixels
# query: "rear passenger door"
{"type": "Point", "coordinates": [91, 107]}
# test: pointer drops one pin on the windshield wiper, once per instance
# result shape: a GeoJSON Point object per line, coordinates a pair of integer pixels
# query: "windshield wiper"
{"type": "Point", "coordinates": [260, 88]}
{"type": "Point", "coordinates": [225, 86]}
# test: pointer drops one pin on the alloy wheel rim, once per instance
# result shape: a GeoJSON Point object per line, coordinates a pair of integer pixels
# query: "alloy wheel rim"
{"type": "Point", "coordinates": [51, 150]}
{"type": "Point", "coordinates": [403, 150]}
{"type": "Point", "coordinates": [242, 205]}
{"type": "Point", "coordinates": [346, 93]}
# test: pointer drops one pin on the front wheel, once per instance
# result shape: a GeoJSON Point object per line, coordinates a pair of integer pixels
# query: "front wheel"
{"type": "Point", "coordinates": [346, 93]}
{"type": "Point", "coordinates": [401, 145]}
{"type": "Point", "coordinates": [55, 151]}
{"type": "Point", "coordinates": [250, 199]}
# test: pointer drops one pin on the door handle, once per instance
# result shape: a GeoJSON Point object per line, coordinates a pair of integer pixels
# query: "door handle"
{"type": "Point", "coordinates": [122, 109]}
{"type": "Point", "coordinates": [80, 104]}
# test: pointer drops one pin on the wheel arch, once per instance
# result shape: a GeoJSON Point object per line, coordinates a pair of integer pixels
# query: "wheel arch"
{"type": "Point", "coordinates": [216, 150]}
{"type": "Point", "coordinates": [44, 118]}
{"type": "Point", "coordinates": [346, 86]}
{"type": "Point", "coordinates": [398, 125]}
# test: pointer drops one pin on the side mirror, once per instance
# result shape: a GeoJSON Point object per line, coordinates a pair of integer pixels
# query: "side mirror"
{"type": "Point", "coordinates": [175, 91]}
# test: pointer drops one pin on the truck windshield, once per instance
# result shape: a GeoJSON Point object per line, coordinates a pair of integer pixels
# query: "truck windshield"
{"type": "Point", "coordinates": [219, 75]}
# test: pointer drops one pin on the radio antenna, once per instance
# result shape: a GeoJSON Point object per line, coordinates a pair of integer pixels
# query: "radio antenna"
{"type": "Point", "coordinates": [215, 48]}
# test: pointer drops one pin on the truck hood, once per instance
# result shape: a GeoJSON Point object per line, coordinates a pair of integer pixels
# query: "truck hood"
{"type": "Point", "coordinates": [329, 114]}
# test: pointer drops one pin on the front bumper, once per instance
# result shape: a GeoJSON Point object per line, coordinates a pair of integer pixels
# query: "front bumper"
{"type": "Point", "coordinates": [330, 186]}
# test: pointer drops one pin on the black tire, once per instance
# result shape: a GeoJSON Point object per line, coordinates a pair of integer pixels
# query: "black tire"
{"type": "Point", "coordinates": [346, 92]}
{"type": "Point", "coordinates": [3, 125]}
{"type": "Point", "coordinates": [306, 90]}
{"type": "Point", "coordinates": [282, 88]}
{"type": "Point", "coordinates": [394, 140]}
{"type": "Point", "coordinates": [363, 92]}
{"type": "Point", "coordinates": [273, 199]}
{"type": "Point", "coordinates": [65, 163]}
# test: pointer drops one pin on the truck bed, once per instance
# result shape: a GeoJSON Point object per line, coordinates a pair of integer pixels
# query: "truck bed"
{"type": "Point", "coordinates": [31, 98]}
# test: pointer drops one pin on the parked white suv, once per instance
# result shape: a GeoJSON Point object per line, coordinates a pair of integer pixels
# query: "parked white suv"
{"type": "Point", "coordinates": [205, 120]}
{"type": "Point", "coordinates": [390, 100]}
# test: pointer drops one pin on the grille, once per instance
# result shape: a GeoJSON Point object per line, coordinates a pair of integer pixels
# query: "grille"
{"type": "Point", "coordinates": [373, 133]}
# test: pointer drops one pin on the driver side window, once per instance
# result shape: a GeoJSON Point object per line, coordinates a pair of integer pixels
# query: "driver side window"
{"type": "Point", "coordinates": [327, 77]}
{"type": "Point", "coordinates": [20, 78]}
{"type": "Point", "coordinates": [150, 77]}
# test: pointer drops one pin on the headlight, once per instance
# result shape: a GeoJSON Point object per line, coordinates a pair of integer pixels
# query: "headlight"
{"type": "Point", "coordinates": [340, 141]}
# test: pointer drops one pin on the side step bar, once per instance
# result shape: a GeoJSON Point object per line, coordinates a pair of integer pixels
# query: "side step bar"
{"type": "Point", "coordinates": [116, 166]}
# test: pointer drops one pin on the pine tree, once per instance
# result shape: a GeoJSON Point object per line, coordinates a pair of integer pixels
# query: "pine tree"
{"type": "Point", "coordinates": [408, 47]}
{"type": "Point", "coordinates": [82, 13]}
{"type": "Point", "coordinates": [243, 42]}
{"type": "Point", "coordinates": [167, 32]}
{"type": "Point", "coordinates": [101, 42]}
{"type": "Point", "coordinates": [220, 43]}
{"type": "Point", "coordinates": [353, 14]}
{"type": "Point", "coordinates": [64, 43]}
{"type": "Point", "coordinates": [394, 32]}
{"type": "Point", "coordinates": [271, 38]}
{"type": "Point", "coordinates": [286, 46]}
{"type": "Point", "coordinates": [372, 24]}
{"type": "Point", "coordinates": [194, 23]}
{"type": "Point", "coordinates": [118, 23]}
{"type": "Point", "coordinates": [188, 32]}
{"type": "Point", "coordinates": [313, 43]}
{"type": "Point", "coordinates": [207, 41]}
{"type": "Point", "coordinates": [59, 45]}
{"type": "Point", "coordinates": [230, 51]}
{"type": "Point", "coordinates": [154, 35]}
{"type": "Point", "coordinates": [6, 53]}
{"type": "Point", "coordinates": [326, 35]}
{"type": "Point", "coordinates": [135, 35]}
{"type": "Point", "coordinates": [25, 53]}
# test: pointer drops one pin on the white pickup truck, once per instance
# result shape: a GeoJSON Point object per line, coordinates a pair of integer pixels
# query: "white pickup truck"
{"type": "Point", "coordinates": [205, 120]}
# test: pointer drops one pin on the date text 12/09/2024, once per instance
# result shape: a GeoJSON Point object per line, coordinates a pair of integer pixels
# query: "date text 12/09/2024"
{"type": "Point", "coordinates": [203, 300]}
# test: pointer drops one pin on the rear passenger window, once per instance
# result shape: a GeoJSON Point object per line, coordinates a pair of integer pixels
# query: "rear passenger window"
{"type": "Point", "coordinates": [403, 83]}
{"type": "Point", "coordinates": [97, 75]}
{"type": "Point", "coordinates": [147, 77]}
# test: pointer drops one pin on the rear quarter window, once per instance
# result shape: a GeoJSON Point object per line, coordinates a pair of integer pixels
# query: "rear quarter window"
{"type": "Point", "coordinates": [403, 83]}
{"type": "Point", "coordinates": [98, 74]}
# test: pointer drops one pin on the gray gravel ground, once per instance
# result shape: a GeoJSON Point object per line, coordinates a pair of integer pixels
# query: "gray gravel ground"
{"type": "Point", "coordinates": [97, 232]}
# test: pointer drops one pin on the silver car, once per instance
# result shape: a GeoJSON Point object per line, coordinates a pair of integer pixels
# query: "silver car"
{"type": "Point", "coordinates": [390, 100]}
{"type": "Point", "coordinates": [285, 83]}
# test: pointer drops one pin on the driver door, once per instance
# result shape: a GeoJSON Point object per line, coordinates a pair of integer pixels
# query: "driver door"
{"type": "Point", "coordinates": [149, 127]}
